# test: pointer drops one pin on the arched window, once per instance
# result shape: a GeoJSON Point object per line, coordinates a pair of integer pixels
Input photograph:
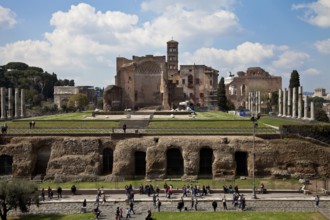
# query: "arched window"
{"type": "Point", "coordinates": [174, 162]}
{"type": "Point", "coordinates": [205, 161]}
{"type": "Point", "coordinates": [6, 165]}
{"type": "Point", "coordinates": [43, 156]}
{"type": "Point", "coordinates": [140, 163]}
{"type": "Point", "coordinates": [107, 160]}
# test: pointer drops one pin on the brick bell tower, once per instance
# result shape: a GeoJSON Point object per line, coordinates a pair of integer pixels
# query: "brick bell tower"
{"type": "Point", "coordinates": [173, 61]}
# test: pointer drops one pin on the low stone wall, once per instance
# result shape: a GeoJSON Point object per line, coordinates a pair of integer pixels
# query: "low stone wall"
{"type": "Point", "coordinates": [109, 208]}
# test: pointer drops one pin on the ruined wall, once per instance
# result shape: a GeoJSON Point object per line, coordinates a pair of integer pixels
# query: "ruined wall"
{"type": "Point", "coordinates": [255, 79]}
{"type": "Point", "coordinates": [81, 158]}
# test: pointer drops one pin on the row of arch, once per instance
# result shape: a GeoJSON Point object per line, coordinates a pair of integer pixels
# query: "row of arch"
{"type": "Point", "coordinates": [175, 163]}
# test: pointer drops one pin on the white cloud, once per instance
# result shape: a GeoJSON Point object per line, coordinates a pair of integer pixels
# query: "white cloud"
{"type": "Point", "coordinates": [323, 46]}
{"type": "Point", "coordinates": [7, 18]}
{"type": "Point", "coordinates": [291, 59]}
{"type": "Point", "coordinates": [208, 5]}
{"type": "Point", "coordinates": [311, 72]}
{"type": "Point", "coordinates": [244, 54]}
{"type": "Point", "coordinates": [85, 42]}
{"type": "Point", "coordinates": [316, 13]}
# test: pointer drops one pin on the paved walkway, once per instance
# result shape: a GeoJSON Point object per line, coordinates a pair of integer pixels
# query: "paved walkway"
{"type": "Point", "coordinates": [270, 202]}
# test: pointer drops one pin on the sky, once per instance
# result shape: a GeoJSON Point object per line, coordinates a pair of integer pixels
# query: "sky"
{"type": "Point", "coordinates": [81, 40]}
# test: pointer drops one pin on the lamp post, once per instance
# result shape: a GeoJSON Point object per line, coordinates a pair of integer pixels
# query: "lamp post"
{"type": "Point", "coordinates": [255, 125]}
{"type": "Point", "coordinates": [255, 117]}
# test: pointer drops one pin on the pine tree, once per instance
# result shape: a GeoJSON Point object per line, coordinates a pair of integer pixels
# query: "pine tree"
{"type": "Point", "coordinates": [222, 99]}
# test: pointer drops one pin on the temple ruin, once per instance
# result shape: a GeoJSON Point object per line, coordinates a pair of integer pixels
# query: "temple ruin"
{"type": "Point", "coordinates": [158, 82]}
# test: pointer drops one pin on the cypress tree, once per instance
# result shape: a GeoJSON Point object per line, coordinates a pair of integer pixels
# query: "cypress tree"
{"type": "Point", "coordinates": [294, 79]}
{"type": "Point", "coordinates": [222, 98]}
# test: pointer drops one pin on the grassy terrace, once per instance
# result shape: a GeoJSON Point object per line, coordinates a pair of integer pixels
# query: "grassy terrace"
{"type": "Point", "coordinates": [194, 215]}
{"type": "Point", "coordinates": [238, 215]}
{"type": "Point", "coordinates": [205, 123]}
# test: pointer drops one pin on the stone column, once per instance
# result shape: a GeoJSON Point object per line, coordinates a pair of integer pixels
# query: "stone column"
{"type": "Point", "coordinates": [294, 103]}
{"type": "Point", "coordinates": [312, 111]}
{"type": "Point", "coordinates": [10, 103]}
{"type": "Point", "coordinates": [305, 107]}
{"type": "Point", "coordinates": [3, 103]}
{"type": "Point", "coordinates": [280, 102]}
{"type": "Point", "coordinates": [16, 102]}
{"type": "Point", "coordinates": [249, 101]}
{"type": "Point", "coordinates": [259, 101]}
{"type": "Point", "coordinates": [289, 112]}
{"type": "Point", "coordinates": [284, 102]}
{"type": "Point", "coordinates": [299, 101]}
{"type": "Point", "coordinates": [22, 104]}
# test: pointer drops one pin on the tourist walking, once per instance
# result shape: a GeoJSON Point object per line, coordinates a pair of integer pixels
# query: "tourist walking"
{"type": "Point", "coordinates": [59, 192]}
{"type": "Point", "coordinates": [224, 203]}
{"type": "Point", "coordinates": [131, 205]}
{"type": "Point", "coordinates": [128, 213]}
{"type": "Point", "coordinates": [317, 201]}
{"type": "Point", "coordinates": [214, 205]}
{"type": "Point", "coordinates": [196, 202]}
{"type": "Point", "coordinates": [158, 204]}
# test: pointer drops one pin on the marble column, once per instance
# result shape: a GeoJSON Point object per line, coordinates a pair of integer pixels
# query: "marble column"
{"type": "Point", "coordinates": [259, 101]}
{"type": "Point", "coordinates": [280, 102]}
{"type": "Point", "coordinates": [16, 102]}
{"type": "Point", "coordinates": [22, 104]}
{"type": "Point", "coordinates": [299, 101]}
{"type": "Point", "coordinates": [312, 111]}
{"type": "Point", "coordinates": [3, 103]}
{"type": "Point", "coordinates": [289, 103]}
{"type": "Point", "coordinates": [249, 101]}
{"type": "Point", "coordinates": [294, 103]}
{"type": "Point", "coordinates": [284, 102]}
{"type": "Point", "coordinates": [305, 107]}
{"type": "Point", "coordinates": [10, 103]}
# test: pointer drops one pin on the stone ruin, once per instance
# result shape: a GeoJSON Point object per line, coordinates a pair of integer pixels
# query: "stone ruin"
{"type": "Point", "coordinates": [157, 157]}
{"type": "Point", "coordinates": [7, 110]}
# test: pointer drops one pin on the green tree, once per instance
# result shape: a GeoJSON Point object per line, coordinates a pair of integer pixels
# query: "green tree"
{"type": "Point", "coordinates": [78, 101]}
{"type": "Point", "coordinates": [294, 79]}
{"type": "Point", "coordinates": [17, 194]}
{"type": "Point", "coordinates": [222, 98]}
{"type": "Point", "coordinates": [321, 115]}
{"type": "Point", "coordinates": [16, 66]}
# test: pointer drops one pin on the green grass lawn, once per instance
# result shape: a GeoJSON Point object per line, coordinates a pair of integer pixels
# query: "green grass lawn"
{"type": "Point", "coordinates": [216, 184]}
{"type": "Point", "coordinates": [238, 215]}
{"type": "Point", "coordinates": [84, 216]}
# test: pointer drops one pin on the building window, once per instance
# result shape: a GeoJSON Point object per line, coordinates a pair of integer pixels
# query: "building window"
{"type": "Point", "coordinates": [201, 95]}
{"type": "Point", "coordinates": [191, 95]}
{"type": "Point", "coordinates": [172, 58]}
{"type": "Point", "coordinates": [190, 81]}
{"type": "Point", "coordinates": [183, 81]}
{"type": "Point", "coordinates": [211, 82]}
{"type": "Point", "coordinates": [197, 80]}
{"type": "Point", "coordinates": [184, 95]}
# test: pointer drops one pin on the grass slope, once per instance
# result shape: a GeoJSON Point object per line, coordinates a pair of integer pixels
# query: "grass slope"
{"type": "Point", "coordinates": [238, 215]}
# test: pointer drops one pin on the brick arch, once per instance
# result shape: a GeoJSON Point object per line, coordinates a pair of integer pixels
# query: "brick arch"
{"type": "Point", "coordinates": [6, 165]}
{"type": "Point", "coordinates": [205, 161]}
{"type": "Point", "coordinates": [107, 160]}
{"type": "Point", "coordinates": [174, 162]}
{"type": "Point", "coordinates": [140, 163]}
